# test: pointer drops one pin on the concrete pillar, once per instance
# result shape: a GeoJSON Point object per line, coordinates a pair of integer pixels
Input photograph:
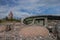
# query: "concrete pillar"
{"type": "Point", "coordinates": [46, 22]}
{"type": "Point", "coordinates": [22, 19]}
{"type": "Point", "coordinates": [32, 22]}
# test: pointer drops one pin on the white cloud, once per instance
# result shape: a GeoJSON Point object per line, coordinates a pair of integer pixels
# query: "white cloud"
{"type": "Point", "coordinates": [22, 14]}
{"type": "Point", "coordinates": [30, 5]}
{"type": "Point", "coordinates": [3, 8]}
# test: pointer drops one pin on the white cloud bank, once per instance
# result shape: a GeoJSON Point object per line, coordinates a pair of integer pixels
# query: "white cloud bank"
{"type": "Point", "coordinates": [32, 7]}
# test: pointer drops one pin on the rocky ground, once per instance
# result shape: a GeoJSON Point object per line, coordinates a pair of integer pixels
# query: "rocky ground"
{"type": "Point", "coordinates": [13, 33]}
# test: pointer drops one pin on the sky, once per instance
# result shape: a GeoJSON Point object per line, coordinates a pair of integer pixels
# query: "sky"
{"type": "Point", "coordinates": [26, 8]}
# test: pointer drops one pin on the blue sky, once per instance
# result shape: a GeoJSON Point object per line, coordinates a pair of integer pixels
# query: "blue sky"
{"type": "Point", "coordinates": [25, 8]}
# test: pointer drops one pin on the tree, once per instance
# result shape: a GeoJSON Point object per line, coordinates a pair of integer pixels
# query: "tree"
{"type": "Point", "coordinates": [0, 21]}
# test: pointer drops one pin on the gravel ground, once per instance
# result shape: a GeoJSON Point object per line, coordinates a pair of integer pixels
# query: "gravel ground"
{"type": "Point", "coordinates": [14, 33]}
